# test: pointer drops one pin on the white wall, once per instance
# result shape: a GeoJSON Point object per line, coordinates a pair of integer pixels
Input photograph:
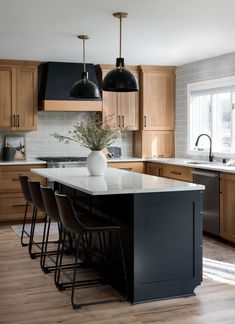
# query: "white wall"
{"type": "Point", "coordinates": [216, 67]}
{"type": "Point", "coordinates": [41, 143]}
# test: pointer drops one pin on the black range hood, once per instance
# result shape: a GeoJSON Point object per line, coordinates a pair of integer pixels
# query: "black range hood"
{"type": "Point", "coordinates": [55, 82]}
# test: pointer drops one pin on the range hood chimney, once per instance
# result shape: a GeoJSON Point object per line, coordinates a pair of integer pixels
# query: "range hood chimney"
{"type": "Point", "coordinates": [55, 82]}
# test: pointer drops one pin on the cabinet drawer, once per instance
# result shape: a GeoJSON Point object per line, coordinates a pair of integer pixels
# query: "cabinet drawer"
{"type": "Point", "coordinates": [177, 172]}
{"type": "Point", "coordinates": [9, 178]}
{"type": "Point", "coordinates": [12, 207]}
{"type": "Point", "coordinates": [128, 166]}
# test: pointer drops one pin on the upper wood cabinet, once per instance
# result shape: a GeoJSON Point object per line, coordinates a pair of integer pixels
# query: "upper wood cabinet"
{"type": "Point", "coordinates": [227, 206]}
{"type": "Point", "coordinates": [124, 106]}
{"type": "Point", "coordinates": [157, 97]}
{"type": "Point", "coordinates": [7, 104]}
{"type": "Point", "coordinates": [18, 95]}
{"type": "Point", "coordinates": [153, 144]}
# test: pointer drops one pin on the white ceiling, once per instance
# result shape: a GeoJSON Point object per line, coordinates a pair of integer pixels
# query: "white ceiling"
{"type": "Point", "coordinates": [161, 32]}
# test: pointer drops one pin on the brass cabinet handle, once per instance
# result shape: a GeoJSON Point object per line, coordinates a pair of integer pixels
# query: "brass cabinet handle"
{"type": "Point", "coordinates": [119, 121]}
{"type": "Point", "coordinates": [122, 121]}
{"type": "Point", "coordinates": [17, 120]}
{"type": "Point", "coordinates": [13, 120]}
{"type": "Point", "coordinates": [145, 121]}
{"type": "Point", "coordinates": [178, 173]}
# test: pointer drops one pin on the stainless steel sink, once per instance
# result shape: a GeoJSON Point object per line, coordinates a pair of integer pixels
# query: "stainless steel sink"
{"type": "Point", "coordinates": [195, 162]}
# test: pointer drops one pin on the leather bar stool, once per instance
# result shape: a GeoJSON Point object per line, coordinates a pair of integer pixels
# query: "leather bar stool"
{"type": "Point", "coordinates": [52, 212]}
{"type": "Point", "coordinates": [53, 215]}
{"type": "Point", "coordinates": [34, 188]}
{"type": "Point", "coordinates": [84, 229]}
{"type": "Point", "coordinates": [28, 199]}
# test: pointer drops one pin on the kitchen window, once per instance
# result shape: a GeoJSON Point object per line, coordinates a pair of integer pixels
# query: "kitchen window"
{"type": "Point", "coordinates": [211, 110]}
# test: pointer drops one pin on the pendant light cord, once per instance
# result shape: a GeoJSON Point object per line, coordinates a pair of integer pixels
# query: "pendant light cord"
{"type": "Point", "coordinates": [84, 55]}
{"type": "Point", "coordinates": [120, 44]}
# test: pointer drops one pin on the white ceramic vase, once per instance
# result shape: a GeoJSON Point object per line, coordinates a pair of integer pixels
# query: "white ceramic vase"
{"type": "Point", "coordinates": [96, 163]}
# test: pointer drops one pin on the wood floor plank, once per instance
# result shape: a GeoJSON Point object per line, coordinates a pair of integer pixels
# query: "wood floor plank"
{"type": "Point", "coordinates": [28, 296]}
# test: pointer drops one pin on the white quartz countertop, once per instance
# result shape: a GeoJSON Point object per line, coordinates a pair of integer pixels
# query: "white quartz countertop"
{"type": "Point", "coordinates": [22, 162]}
{"type": "Point", "coordinates": [214, 166]}
{"type": "Point", "coordinates": [114, 181]}
{"type": "Point", "coordinates": [127, 159]}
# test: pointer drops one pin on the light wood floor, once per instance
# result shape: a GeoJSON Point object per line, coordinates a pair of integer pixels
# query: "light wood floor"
{"type": "Point", "coordinates": [28, 296]}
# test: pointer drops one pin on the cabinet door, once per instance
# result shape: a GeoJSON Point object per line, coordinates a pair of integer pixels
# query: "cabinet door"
{"type": "Point", "coordinates": [128, 107]}
{"type": "Point", "coordinates": [7, 95]}
{"type": "Point", "coordinates": [153, 144]}
{"type": "Point", "coordinates": [158, 101]}
{"type": "Point", "coordinates": [154, 169]}
{"type": "Point", "coordinates": [110, 107]}
{"type": "Point", "coordinates": [227, 207]}
{"type": "Point", "coordinates": [26, 98]}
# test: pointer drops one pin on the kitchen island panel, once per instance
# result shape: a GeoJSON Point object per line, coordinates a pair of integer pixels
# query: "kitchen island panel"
{"type": "Point", "coordinates": [167, 245]}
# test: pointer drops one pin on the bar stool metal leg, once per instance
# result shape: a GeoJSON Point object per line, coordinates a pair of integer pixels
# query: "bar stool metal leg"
{"type": "Point", "coordinates": [23, 228]}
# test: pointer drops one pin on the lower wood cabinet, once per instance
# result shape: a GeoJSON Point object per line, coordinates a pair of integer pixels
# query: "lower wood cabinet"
{"type": "Point", "coordinates": [128, 166]}
{"type": "Point", "coordinates": [12, 203]}
{"type": "Point", "coordinates": [177, 172]}
{"type": "Point", "coordinates": [227, 206]}
{"type": "Point", "coordinates": [170, 171]}
{"type": "Point", "coordinates": [154, 169]}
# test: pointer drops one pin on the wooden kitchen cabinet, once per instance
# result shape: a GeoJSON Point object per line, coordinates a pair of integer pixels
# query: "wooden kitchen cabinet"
{"type": "Point", "coordinates": [123, 106]}
{"type": "Point", "coordinates": [138, 167]}
{"type": "Point", "coordinates": [153, 144]}
{"type": "Point", "coordinates": [157, 105]}
{"type": "Point", "coordinates": [18, 95]}
{"type": "Point", "coordinates": [227, 206]}
{"type": "Point", "coordinates": [157, 100]}
{"type": "Point", "coordinates": [177, 172]}
{"type": "Point", "coordinates": [12, 203]}
{"type": "Point", "coordinates": [153, 168]}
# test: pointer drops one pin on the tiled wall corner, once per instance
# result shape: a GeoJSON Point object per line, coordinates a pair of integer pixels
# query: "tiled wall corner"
{"type": "Point", "coordinates": [216, 67]}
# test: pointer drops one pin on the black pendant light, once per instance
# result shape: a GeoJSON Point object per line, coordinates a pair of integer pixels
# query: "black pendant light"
{"type": "Point", "coordinates": [120, 79]}
{"type": "Point", "coordinates": [84, 88]}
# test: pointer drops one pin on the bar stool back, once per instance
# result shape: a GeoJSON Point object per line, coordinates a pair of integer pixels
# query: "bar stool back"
{"type": "Point", "coordinates": [28, 199]}
{"type": "Point", "coordinates": [81, 227]}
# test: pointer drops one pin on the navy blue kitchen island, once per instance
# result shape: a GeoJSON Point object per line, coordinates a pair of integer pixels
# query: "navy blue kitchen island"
{"type": "Point", "coordinates": [161, 224]}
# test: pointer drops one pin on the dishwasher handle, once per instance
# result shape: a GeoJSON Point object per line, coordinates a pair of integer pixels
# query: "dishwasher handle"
{"type": "Point", "coordinates": [206, 174]}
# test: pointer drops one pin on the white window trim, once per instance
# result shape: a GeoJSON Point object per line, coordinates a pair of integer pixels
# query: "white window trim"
{"type": "Point", "coordinates": [203, 85]}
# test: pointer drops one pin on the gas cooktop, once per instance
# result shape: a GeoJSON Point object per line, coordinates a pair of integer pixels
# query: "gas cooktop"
{"type": "Point", "coordinates": [62, 158]}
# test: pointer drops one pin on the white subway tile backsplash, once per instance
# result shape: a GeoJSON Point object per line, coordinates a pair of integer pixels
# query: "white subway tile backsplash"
{"type": "Point", "coordinates": [41, 143]}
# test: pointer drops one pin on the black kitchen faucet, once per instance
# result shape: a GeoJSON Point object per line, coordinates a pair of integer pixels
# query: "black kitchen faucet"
{"type": "Point", "coordinates": [210, 154]}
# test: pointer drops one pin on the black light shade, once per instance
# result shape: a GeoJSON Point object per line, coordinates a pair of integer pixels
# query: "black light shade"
{"type": "Point", "coordinates": [120, 80]}
{"type": "Point", "coordinates": [84, 89]}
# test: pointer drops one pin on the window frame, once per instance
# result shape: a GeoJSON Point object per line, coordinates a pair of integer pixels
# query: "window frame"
{"type": "Point", "coordinates": [206, 85]}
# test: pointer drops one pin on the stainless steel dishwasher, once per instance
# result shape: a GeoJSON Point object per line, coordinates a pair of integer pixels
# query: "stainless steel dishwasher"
{"type": "Point", "coordinates": [211, 199]}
